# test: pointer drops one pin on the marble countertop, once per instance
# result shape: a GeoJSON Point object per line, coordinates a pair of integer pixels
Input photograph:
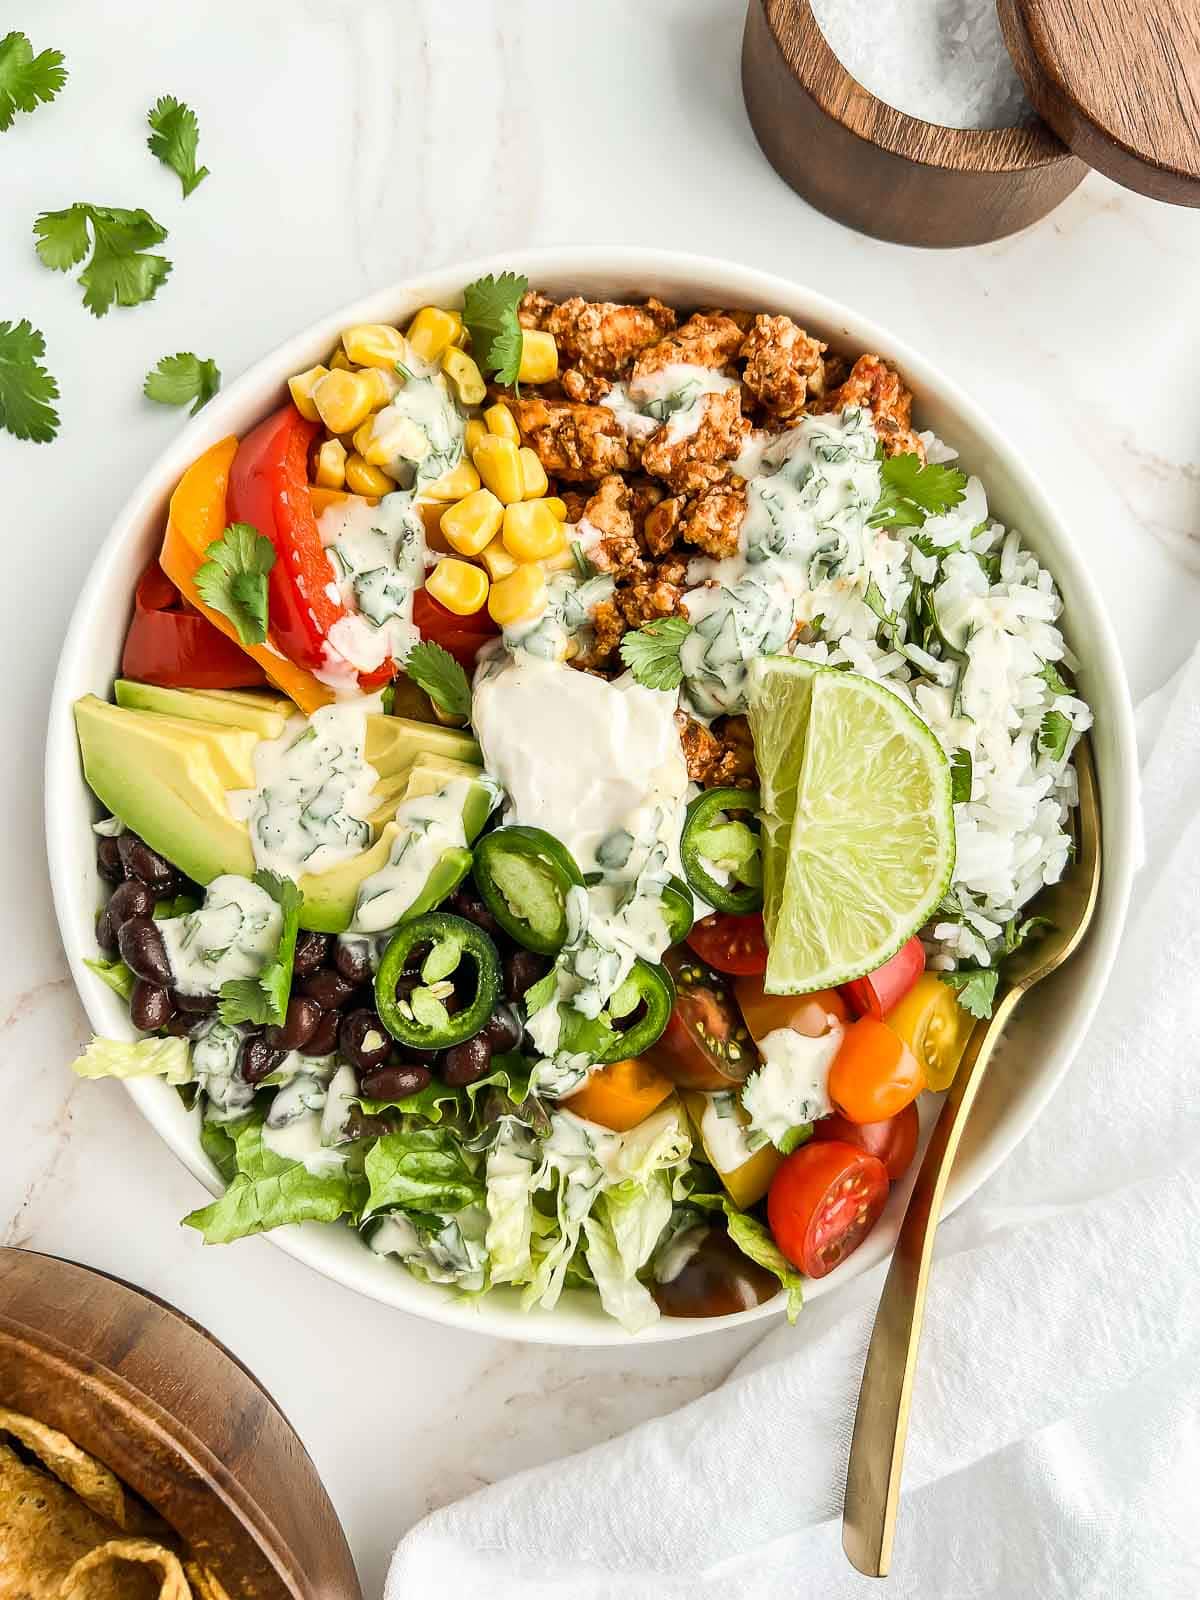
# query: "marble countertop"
{"type": "Point", "coordinates": [352, 142]}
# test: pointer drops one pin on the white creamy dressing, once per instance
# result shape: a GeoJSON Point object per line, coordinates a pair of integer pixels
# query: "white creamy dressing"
{"type": "Point", "coordinates": [428, 825]}
{"type": "Point", "coordinates": [232, 935]}
{"type": "Point", "coordinates": [679, 1252]}
{"type": "Point", "coordinates": [453, 1253]}
{"type": "Point", "coordinates": [724, 1134]}
{"type": "Point", "coordinates": [307, 1115]}
{"type": "Point", "coordinates": [214, 1063]}
{"type": "Point", "coordinates": [673, 396]}
{"type": "Point", "coordinates": [791, 1087]}
{"type": "Point", "coordinates": [309, 808]}
{"type": "Point", "coordinates": [427, 426]}
{"type": "Point", "coordinates": [377, 562]}
{"type": "Point", "coordinates": [566, 619]}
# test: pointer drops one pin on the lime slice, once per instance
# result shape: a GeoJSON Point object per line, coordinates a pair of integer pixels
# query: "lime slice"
{"type": "Point", "coordinates": [780, 693]}
{"type": "Point", "coordinates": [871, 846]}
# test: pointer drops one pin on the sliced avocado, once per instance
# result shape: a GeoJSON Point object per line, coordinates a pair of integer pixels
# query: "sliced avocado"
{"type": "Point", "coordinates": [263, 715]}
{"type": "Point", "coordinates": [163, 784]}
{"type": "Point", "coordinates": [393, 742]}
{"type": "Point", "coordinates": [429, 773]}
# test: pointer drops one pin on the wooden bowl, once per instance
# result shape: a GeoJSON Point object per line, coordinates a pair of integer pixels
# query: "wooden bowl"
{"type": "Point", "coordinates": [178, 1418]}
{"type": "Point", "coordinates": [876, 168]}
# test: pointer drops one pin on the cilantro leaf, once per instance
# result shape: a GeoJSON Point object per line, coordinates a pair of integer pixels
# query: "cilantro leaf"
{"type": "Point", "coordinates": [180, 378]}
{"type": "Point", "coordinates": [26, 80]}
{"type": "Point", "coordinates": [490, 313]}
{"type": "Point", "coordinates": [911, 492]}
{"type": "Point", "coordinates": [652, 653]}
{"type": "Point", "coordinates": [1016, 933]}
{"type": "Point", "coordinates": [265, 999]}
{"type": "Point", "coordinates": [1054, 734]}
{"type": "Point", "coordinates": [961, 773]}
{"type": "Point", "coordinates": [120, 271]}
{"type": "Point", "coordinates": [1054, 679]}
{"type": "Point", "coordinates": [975, 987]}
{"type": "Point", "coordinates": [26, 388]}
{"type": "Point", "coordinates": [233, 580]}
{"type": "Point", "coordinates": [175, 131]}
{"type": "Point", "coordinates": [434, 669]}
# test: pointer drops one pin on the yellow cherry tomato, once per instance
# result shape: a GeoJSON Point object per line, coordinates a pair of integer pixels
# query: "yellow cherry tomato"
{"type": "Point", "coordinates": [934, 1027]}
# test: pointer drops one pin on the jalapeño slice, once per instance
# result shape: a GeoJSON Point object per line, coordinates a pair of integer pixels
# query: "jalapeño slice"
{"type": "Point", "coordinates": [645, 999]}
{"type": "Point", "coordinates": [524, 875]}
{"type": "Point", "coordinates": [678, 909]}
{"type": "Point", "coordinates": [714, 842]}
{"type": "Point", "coordinates": [425, 965]}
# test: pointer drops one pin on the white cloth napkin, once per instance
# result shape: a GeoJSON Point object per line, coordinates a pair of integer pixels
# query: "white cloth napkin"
{"type": "Point", "coordinates": [1055, 1442]}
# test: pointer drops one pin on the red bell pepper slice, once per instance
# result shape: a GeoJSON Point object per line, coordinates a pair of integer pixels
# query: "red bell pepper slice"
{"type": "Point", "coordinates": [172, 645]}
{"type": "Point", "coordinates": [463, 637]}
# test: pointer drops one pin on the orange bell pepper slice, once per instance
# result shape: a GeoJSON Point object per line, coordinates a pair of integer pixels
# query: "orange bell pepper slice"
{"type": "Point", "coordinates": [620, 1095]}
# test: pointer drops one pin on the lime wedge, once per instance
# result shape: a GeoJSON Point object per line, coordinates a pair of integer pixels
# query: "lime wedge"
{"type": "Point", "coordinates": [870, 849]}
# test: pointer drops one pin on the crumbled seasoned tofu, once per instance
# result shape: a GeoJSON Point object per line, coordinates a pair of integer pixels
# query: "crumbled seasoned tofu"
{"type": "Point", "coordinates": [713, 520]}
{"type": "Point", "coordinates": [705, 455]}
{"type": "Point", "coordinates": [876, 383]}
{"type": "Point", "coordinates": [646, 601]}
{"type": "Point", "coordinates": [717, 757]}
{"type": "Point", "coordinates": [576, 442]}
{"type": "Point", "coordinates": [597, 339]}
{"type": "Point", "coordinates": [784, 365]}
{"type": "Point", "coordinates": [617, 550]}
{"type": "Point", "coordinates": [709, 339]}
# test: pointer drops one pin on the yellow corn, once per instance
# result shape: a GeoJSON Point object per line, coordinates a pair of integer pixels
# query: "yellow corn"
{"type": "Point", "coordinates": [497, 560]}
{"type": "Point", "coordinates": [331, 465]}
{"type": "Point", "coordinates": [456, 484]}
{"type": "Point", "coordinates": [539, 357]}
{"type": "Point", "coordinates": [399, 438]}
{"type": "Point", "coordinates": [363, 478]}
{"type": "Point", "coordinates": [559, 507]}
{"type": "Point", "coordinates": [520, 597]}
{"type": "Point", "coordinates": [475, 430]}
{"type": "Point", "coordinates": [499, 465]}
{"type": "Point", "coordinates": [532, 531]}
{"type": "Point", "coordinates": [502, 423]}
{"type": "Point", "coordinates": [362, 436]}
{"type": "Point", "coordinates": [301, 387]}
{"type": "Point", "coordinates": [473, 522]}
{"type": "Point", "coordinates": [459, 585]}
{"type": "Point", "coordinates": [464, 375]}
{"type": "Point", "coordinates": [374, 344]}
{"type": "Point", "coordinates": [342, 400]}
{"type": "Point", "coordinates": [533, 474]}
{"type": "Point", "coordinates": [561, 561]}
{"type": "Point", "coordinates": [432, 331]}
{"type": "Point", "coordinates": [381, 386]}
{"type": "Point", "coordinates": [340, 361]}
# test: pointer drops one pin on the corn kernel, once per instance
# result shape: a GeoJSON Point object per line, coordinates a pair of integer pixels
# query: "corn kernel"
{"type": "Point", "coordinates": [559, 507]}
{"type": "Point", "coordinates": [460, 586]}
{"type": "Point", "coordinates": [374, 344]}
{"type": "Point", "coordinates": [331, 465]}
{"type": "Point", "coordinates": [539, 357]}
{"type": "Point", "coordinates": [533, 474]}
{"type": "Point", "coordinates": [502, 423]}
{"type": "Point", "coordinates": [464, 375]}
{"type": "Point", "coordinates": [475, 430]}
{"type": "Point", "coordinates": [499, 465]}
{"type": "Point", "coordinates": [340, 361]}
{"type": "Point", "coordinates": [322, 499]}
{"type": "Point", "coordinates": [497, 560]}
{"type": "Point", "coordinates": [301, 387]}
{"type": "Point", "coordinates": [520, 597]}
{"type": "Point", "coordinates": [361, 438]}
{"type": "Point", "coordinates": [531, 532]}
{"type": "Point", "coordinates": [456, 484]}
{"type": "Point", "coordinates": [473, 522]}
{"type": "Point", "coordinates": [363, 478]}
{"type": "Point", "coordinates": [382, 386]}
{"type": "Point", "coordinates": [342, 401]}
{"type": "Point", "coordinates": [432, 331]}
{"type": "Point", "coordinates": [562, 560]}
{"type": "Point", "coordinates": [398, 438]}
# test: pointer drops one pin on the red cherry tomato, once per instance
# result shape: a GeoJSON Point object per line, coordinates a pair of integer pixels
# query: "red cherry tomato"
{"type": "Point", "coordinates": [705, 1044]}
{"type": "Point", "coordinates": [463, 637]}
{"type": "Point", "coordinates": [168, 643]}
{"type": "Point", "coordinates": [892, 1141]}
{"type": "Point", "coordinates": [822, 1203]}
{"type": "Point", "coordinates": [874, 994]}
{"type": "Point", "coordinates": [874, 1075]}
{"type": "Point", "coordinates": [731, 944]}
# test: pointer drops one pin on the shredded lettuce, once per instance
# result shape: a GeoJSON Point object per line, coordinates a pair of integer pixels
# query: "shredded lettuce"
{"type": "Point", "coordinates": [169, 1059]}
{"type": "Point", "coordinates": [269, 1191]}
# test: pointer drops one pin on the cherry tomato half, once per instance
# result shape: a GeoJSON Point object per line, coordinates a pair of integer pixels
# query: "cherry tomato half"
{"type": "Point", "coordinates": [823, 1202]}
{"type": "Point", "coordinates": [874, 1075]}
{"type": "Point", "coordinates": [934, 1027]}
{"type": "Point", "coordinates": [461, 636]}
{"type": "Point", "coordinates": [705, 1044]}
{"type": "Point", "coordinates": [732, 944]}
{"type": "Point", "coordinates": [811, 1014]}
{"type": "Point", "coordinates": [874, 994]}
{"type": "Point", "coordinates": [892, 1141]}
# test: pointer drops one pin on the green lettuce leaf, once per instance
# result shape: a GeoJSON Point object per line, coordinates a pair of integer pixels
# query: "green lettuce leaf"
{"type": "Point", "coordinates": [420, 1169]}
{"type": "Point", "coordinates": [169, 1059]}
{"type": "Point", "coordinates": [255, 1205]}
{"type": "Point", "coordinates": [115, 974]}
{"type": "Point", "coordinates": [753, 1239]}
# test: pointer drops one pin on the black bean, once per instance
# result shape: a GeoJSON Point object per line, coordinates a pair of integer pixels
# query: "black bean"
{"type": "Point", "coordinates": [353, 962]}
{"type": "Point", "coordinates": [522, 969]}
{"type": "Point", "coordinates": [324, 1037]}
{"type": "Point", "coordinates": [143, 951]}
{"type": "Point", "coordinates": [256, 1059]}
{"type": "Point", "coordinates": [364, 1041]}
{"type": "Point", "coordinates": [311, 951]}
{"type": "Point", "coordinates": [141, 862]}
{"type": "Point", "coordinates": [108, 861]}
{"type": "Point", "coordinates": [328, 988]}
{"type": "Point", "coordinates": [106, 934]}
{"type": "Point", "coordinates": [299, 1025]}
{"type": "Point", "coordinates": [465, 1063]}
{"type": "Point", "coordinates": [394, 1082]}
{"type": "Point", "coordinates": [150, 1006]}
{"type": "Point", "coordinates": [129, 899]}
{"type": "Point", "coordinates": [466, 901]}
{"type": "Point", "coordinates": [181, 1025]}
{"type": "Point", "coordinates": [199, 1005]}
{"type": "Point", "coordinates": [503, 1029]}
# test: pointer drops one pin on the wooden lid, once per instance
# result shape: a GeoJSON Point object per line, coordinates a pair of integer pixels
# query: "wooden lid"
{"type": "Point", "coordinates": [1119, 83]}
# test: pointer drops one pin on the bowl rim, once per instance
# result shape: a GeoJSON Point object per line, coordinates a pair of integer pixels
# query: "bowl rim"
{"type": "Point", "coordinates": [244, 402]}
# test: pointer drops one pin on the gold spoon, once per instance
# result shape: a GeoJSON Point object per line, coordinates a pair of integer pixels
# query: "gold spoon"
{"type": "Point", "coordinates": [881, 1423]}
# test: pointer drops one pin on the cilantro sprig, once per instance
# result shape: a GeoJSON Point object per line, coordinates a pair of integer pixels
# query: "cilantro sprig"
{"type": "Point", "coordinates": [180, 378]}
{"type": "Point", "coordinates": [490, 313]}
{"type": "Point", "coordinates": [265, 999]}
{"type": "Point", "coordinates": [233, 580]}
{"type": "Point", "coordinates": [434, 669]}
{"type": "Point", "coordinates": [652, 653]}
{"type": "Point", "coordinates": [173, 139]}
{"type": "Point", "coordinates": [910, 492]}
{"type": "Point", "coordinates": [975, 988]}
{"type": "Point", "coordinates": [26, 388]}
{"type": "Point", "coordinates": [121, 270]}
{"type": "Point", "coordinates": [26, 80]}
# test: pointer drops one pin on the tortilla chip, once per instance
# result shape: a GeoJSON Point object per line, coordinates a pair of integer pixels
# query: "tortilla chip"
{"type": "Point", "coordinates": [44, 1530]}
{"type": "Point", "coordinates": [99, 1489]}
{"type": "Point", "coordinates": [120, 1570]}
{"type": "Point", "coordinates": [205, 1586]}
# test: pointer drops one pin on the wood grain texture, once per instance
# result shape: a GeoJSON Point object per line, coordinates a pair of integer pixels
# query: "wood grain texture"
{"type": "Point", "coordinates": [1119, 83]}
{"type": "Point", "coordinates": [178, 1418]}
{"type": "Point", "coordinates": [876, 168]}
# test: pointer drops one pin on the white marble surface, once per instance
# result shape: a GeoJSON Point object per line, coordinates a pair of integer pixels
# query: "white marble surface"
{"type": "Point", "coordinates": [352, 142]}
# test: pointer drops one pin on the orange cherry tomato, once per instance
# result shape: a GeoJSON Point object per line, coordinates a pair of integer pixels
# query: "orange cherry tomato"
{"type": "Point", "coordinates": [823, 1202]}
{"type": "Point", "coordinates": [620, 1095]}
{"type": "Point", "coordinates": [804, 1013]}
{"type": "Point", "coordinates": [874, 1075]}
{"type": "Point", "coordinates": [893, 1141]}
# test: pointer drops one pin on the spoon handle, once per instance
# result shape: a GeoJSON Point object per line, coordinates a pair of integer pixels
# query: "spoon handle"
{"type": "Point", "coordinates": [881, 1422]}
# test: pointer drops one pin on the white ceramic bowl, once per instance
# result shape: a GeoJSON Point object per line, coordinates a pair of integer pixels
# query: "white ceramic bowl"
{"type": "Point", "coordinates": [1050, 1023]}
